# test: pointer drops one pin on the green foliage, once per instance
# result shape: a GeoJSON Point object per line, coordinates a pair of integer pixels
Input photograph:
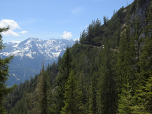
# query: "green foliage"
{"type": "Point", "coordinates": [107, 85]}
{"type": "Point", "coordinates": [137, 40]}
{"type": "Point", "coordinates": [25, 98]}
{"type": "Point", "coordinates": [41, 92]}
{"type": "Point", "coordinates": [109, 72]}
{"type": "Point", "coordinates": [125, 101]}
{"type": "Point", "coordinates": [146, 57]}
{"type": "Point", "coordinates": [143, 95]}
{"type": "Point", "coordinates": [93, 95]}
{"type": "Point", "coordinates": [84, 87]}
{"type": "Point", "coordinates": [65, 67]}
{"type": "Point", "coordinates": [4, 73]}
{"type": "Point", "coordinates": [72, 96]}
{"type": "Point", "coordinates": [144, 90]}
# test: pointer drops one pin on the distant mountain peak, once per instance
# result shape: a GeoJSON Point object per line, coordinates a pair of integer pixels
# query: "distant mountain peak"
{"type": "Point", "coordinates": [30, 46]}
{"type": "Point", "coordinates": [29, 54]}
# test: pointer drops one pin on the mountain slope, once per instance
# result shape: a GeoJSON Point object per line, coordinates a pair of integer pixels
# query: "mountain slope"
{"type": "Point", "coordinates": [29, 55]}
{"type": "Point", "coordinates": [89, 61]}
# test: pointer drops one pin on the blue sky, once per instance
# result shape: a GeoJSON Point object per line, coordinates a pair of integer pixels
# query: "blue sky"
{"type": "Point", "coordinates": [46, 19]}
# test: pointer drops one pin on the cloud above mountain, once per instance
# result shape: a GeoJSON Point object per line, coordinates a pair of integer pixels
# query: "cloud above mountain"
{"type": "Point", "coordinates": [66, 35]}
{"type": "Point", "coordinates": [23, 32]}
{"type": "Point", "coordinates": [78, 39]}
{"type": "Point", "coordinates": [13, 26]}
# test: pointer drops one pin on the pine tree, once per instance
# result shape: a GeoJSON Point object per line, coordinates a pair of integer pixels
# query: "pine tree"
{"type": "Point", "coordinates": [118, 34]}
{"type": "Point", "coordinates": [125, 101]}
{"type": "Point", "coordinates": [146, 57]}
{"type": "Point", "coordinates": [143, 98]}
{"type": "Point", "coordinates": [84, 86]}
{"type": "Point", "coordinates": [65, 67]}
{"type": "Point", "coordinates": [144, 90]}
{"type": "Point", "coordinates": [126, 67]}
{"type": "Point", "coordinates": [105, 20]}
{"type": "Point", "coordinates": [72, 96]}
{"type": "Point", "coordinates": [97, 27]}
{"type": "Point", "coordinates": [4, 73]}
{"type": "Point", "coordinates": [137, 40]}
{"type": "Point", "coordinates": [107, 93]}
{"type": "Point", "coordinates": [93, 95]}
{"type": "Point", "coordinates": [125, 62]}
{"type": "Point", "coordinates": [41, 91]}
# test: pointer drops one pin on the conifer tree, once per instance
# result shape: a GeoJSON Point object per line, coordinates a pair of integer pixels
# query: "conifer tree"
{"type": "Point", "coordinates": [118, 34]}
{"type": "Point", "coordinates": [143, 98]}
{"type": "Point", "coordinates": [93, 95]}
{"type": "Point", "coordinates": [97, 27]}
{"type": "Point", "coordinates": [126, 68]}
{"type": "Point", "coordinates": [146, 57]}
{"type": "Point", "coordinates": [84, 87]}
{"type": "Point", "coordinates": [65, 67]}
{"type": "Point", "coordinates": [4, 73]}
{"type": "Point", "coordinates": [41, 91]}
{"type": "Point", "coordinates": [144, 90]}
{"type": "Point", "coordinates": [125, 60]}
{"type": "Point", "coordinates": [72, 96]}
{"type": "Point", "coordinates": [107, 93]}
{"type": "Point", "coordinates": [137, 40]}
{"type": "Point", "coordinates": [125, 101]}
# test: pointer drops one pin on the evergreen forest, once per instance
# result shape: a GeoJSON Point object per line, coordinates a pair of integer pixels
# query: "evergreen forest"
{"type": "Point", "coordinates": [109, 71]}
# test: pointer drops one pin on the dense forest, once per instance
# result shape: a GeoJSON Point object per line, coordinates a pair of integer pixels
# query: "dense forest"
{"type": "Point", "coordinates": [109, 71]}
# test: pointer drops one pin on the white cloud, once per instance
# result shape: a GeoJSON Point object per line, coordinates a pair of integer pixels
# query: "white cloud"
{"type": "Point", "coordinates": [77, 10]}
{"type": "Point", "coordinates": [78, 39]}
{"type": "Point", "coordinates": [66, 35]}
{"type": "Point", "coordinates": [12, 24]}
{"type": "Point", "coordinates": [22, 32]}
{"type": "Point", "coordinates": [10, 33]}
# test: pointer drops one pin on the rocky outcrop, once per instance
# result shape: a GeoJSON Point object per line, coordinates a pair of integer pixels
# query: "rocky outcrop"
{"type": "Point", "coordinates": [141, 9]}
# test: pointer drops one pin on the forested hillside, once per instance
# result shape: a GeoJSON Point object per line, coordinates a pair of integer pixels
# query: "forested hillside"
{"type": "Point", "coordinates": [108, 72]}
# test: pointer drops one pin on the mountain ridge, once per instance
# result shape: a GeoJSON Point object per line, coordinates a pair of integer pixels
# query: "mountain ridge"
{"type": "Point", "coordinates": [28, 52]}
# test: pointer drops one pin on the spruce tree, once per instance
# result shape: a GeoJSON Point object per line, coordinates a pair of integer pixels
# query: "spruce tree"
{"type": "Point", "coordinates": [4, 73]}
{"type": "Point", "coordinates": [118, 34]}
{"type": "Point", "coordinates": [125, 101]}
{"type": "Point", "coordinates": [93, 95]}
{"type": "Point", "coordinates": [107, 93]}
{"type": "Point", "coordinates": [142, 99]}
{"type": "Point", "coordinates": [125, 69]}
{"type": "Point", "coordinates": [84, 87]}
{"type": "Point", "coordinates": [137, 40]}
{"type": "Point", "coordinates": [144, 90]}
{"type": "Point", "coordinates": [72, 96]}
{"type": "Point", "coordinates": [146, 57]}
{"type": "Point", "coordinates": [65, 67]}
{"type": "Point", "coordinates": [125, 62]}
{"type": "Point", "coordinates": [41, 91]}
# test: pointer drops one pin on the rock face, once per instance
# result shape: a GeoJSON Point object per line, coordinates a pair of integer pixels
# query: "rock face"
{"type": "Point", "coordinates": [140, 11]}
{"type": "Point", "coordinates": [29, 55]}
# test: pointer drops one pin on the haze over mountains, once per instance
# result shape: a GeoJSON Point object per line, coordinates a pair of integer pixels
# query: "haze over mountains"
{"type": "Point", "coordinates": [29, 54]}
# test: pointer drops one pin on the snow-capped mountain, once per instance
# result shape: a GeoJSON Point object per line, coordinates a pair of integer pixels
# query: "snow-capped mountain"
{"type": "Point", "coordinates": [29, 54]}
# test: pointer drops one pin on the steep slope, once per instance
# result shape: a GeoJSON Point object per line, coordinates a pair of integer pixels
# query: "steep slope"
{"type": "Point", "coordinates": [86, 58]}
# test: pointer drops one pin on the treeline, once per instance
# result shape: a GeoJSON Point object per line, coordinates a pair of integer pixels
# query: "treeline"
{"type": "Point", "coordinates": [90, 79]}
{"type": "Point", "coordinates": [96, 31]}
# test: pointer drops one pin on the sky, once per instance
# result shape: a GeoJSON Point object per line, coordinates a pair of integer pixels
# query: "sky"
{"type": "Point", "coordinates": [46, 19]}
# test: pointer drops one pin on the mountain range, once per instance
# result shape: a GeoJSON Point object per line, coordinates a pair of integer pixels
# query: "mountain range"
{"type": "Point", "coordinates": [29, 55]}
